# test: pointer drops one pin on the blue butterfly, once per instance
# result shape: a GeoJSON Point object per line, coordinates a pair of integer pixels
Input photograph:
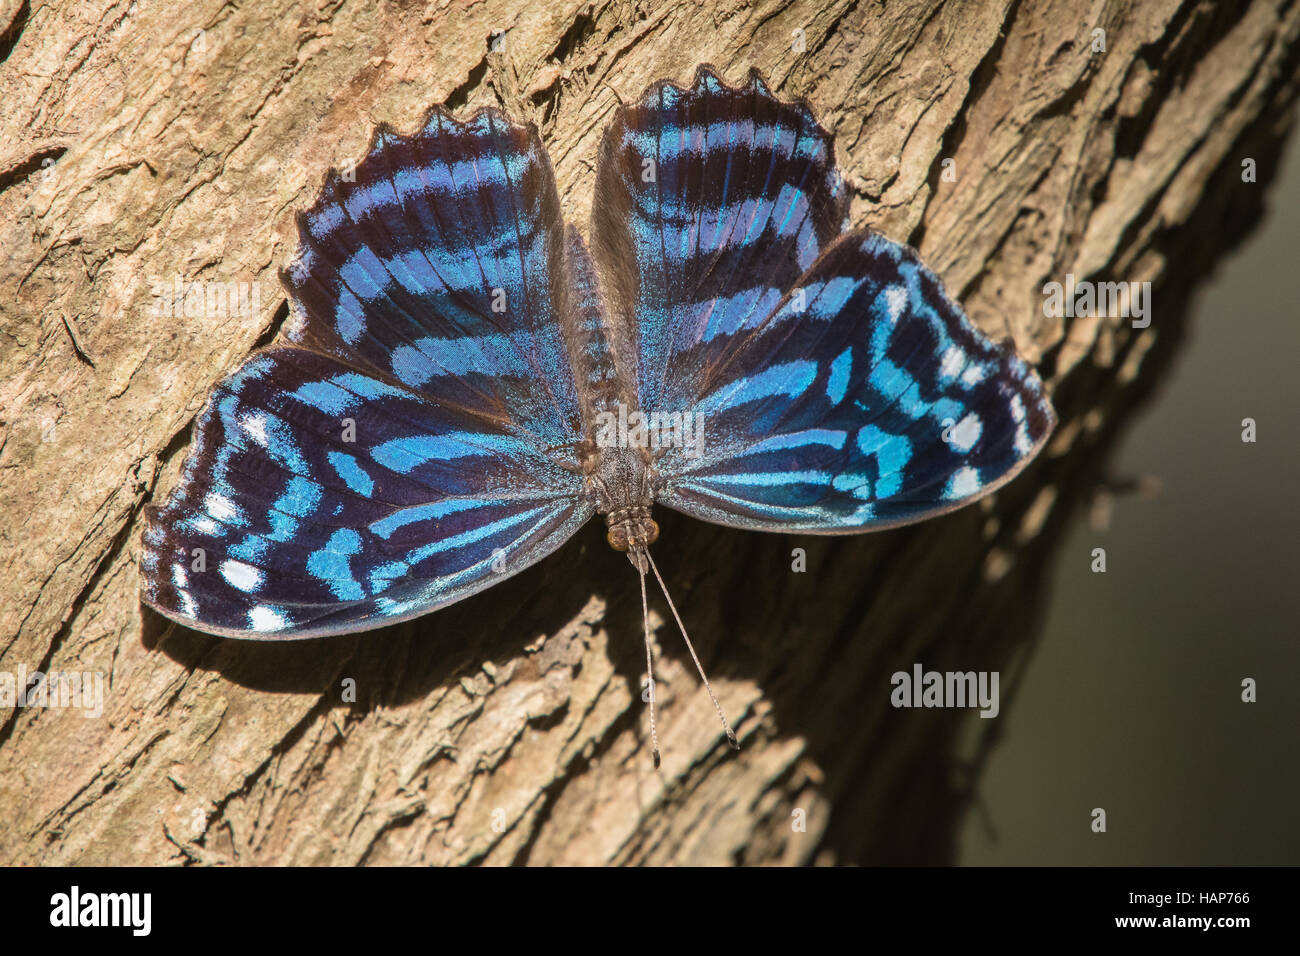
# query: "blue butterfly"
{"type": "Point", "coordinates": [466, 382]}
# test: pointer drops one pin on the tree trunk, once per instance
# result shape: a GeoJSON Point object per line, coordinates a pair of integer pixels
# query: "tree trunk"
{"type": "Point", "coordinates": [144, 145]}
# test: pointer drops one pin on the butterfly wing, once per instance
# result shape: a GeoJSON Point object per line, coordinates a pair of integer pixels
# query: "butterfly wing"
{"type": "Point", "coordinates": [865, 400]}
{"type": "Point", "coordinates": [838, 387]}
{"type": "Point", "coordinates": [414, 442]}
{"type": "Point", "coordinates": [438, 263]}
{"type": "Point", "coordinates": [710, 202]}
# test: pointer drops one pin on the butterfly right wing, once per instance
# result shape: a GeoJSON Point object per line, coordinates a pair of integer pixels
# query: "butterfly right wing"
{"type": "Point", "coordinates": [839, 387]}
{"type": "Point", "coordinates": [711, 201]}
{"type": "Point", "coordinates": [418, 442]}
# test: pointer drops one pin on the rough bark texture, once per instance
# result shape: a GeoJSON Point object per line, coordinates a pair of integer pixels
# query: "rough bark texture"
{"type": "Point", "coordinates": [148, 141]}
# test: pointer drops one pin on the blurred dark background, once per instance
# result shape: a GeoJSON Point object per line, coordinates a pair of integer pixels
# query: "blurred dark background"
{"type": "Point", "coordinates": [1132, 700]}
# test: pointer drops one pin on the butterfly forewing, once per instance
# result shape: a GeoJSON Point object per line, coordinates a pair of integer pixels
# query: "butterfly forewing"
{"type": "Point", "coordinates": [436, 262]}
{"type": "Point", "coordinates": [710, 202]}
{"type": "Point", "coordinates": [417, 443]}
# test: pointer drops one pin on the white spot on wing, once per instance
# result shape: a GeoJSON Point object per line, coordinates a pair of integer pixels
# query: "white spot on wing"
{"type": "Point", "coordinates": [1024, 444]}
{"type": "Point", "coordinates": [264, 618]}
{"type": "Point", "coordinates": [205, 525]}
{"type": "Point", "coordinates": [243, 576]}
{"type": "Point", "coordinates": [255, 428]}
{"type": "Point", "coordinates": [895, 299]}
{"type": "Point", "coordinates": [966, 432]}
{"type": "Point", "coordinates": [963, 483]}
{"type": "Point", "coordinates": [222, 508]}
{"type": "Point", "coordinates": [952, 363]}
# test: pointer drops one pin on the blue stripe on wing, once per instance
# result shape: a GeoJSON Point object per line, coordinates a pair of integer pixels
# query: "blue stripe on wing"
{"type": "Point", "coordinates": [303, 532]}
{"type": "Point", "coordinates": [866, 399]}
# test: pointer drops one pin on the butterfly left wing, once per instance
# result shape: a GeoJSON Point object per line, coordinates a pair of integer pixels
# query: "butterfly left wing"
{"type": "Point", "coordinates": [865, 400]}
{"type": "Point", "coordinates": [320, 499]}
{"type": "Point", "coordinates": [424, 328]}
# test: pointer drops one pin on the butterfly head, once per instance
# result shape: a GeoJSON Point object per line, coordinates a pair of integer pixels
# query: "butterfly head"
{"type": "Point", "coordinates": [631, 530]}
{"type": "Point", "coordinates": [621, 481]}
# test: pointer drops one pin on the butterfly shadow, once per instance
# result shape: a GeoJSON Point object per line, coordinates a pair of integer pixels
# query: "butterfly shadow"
{"type": "Point", "coordinates": [396, 665]}
{"type": "Point", "coordinates": [818, 624]}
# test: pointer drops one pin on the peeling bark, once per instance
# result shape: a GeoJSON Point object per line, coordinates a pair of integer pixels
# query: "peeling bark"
{"type": "Point", "coordinates": [146, 142]}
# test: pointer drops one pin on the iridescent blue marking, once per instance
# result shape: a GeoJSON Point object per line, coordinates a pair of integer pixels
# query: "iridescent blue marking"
{"type": "Point", "coordinates": [353, 475]}
{"type": "Point", "coordinates": [472, 536]}
{"type": "Point", "coordinates": [331, 564]}
{"type": "Point", "coordinates": [789, 379]}
{"type": "Point", "coordinates": [430, 512]}
{"type": "Point", "coordinates": [404, 454]}
{"type": "Point", "coordinates": [813, 436]}
{"type": "Point", "coordinates": [837, 383]}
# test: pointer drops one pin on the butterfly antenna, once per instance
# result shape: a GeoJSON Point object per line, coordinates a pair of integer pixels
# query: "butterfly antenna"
{"type": "Point", "coordinates": [731, 735]}
{"type": "Point", "coordinates": [649, 664]}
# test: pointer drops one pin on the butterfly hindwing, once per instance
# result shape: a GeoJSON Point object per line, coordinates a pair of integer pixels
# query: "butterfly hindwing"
{"type": "Point", "coordinates": [866, 399]}
{"type": "Point", "coordinates": [414, 442]}
{"type": "Point", "coordinates": [317, 499]}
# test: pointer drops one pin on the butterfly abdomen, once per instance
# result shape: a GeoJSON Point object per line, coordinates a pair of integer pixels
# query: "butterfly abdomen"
{"type": "Point", "coordinates": [618, 471]}
{"type": "Point", "coordinates": [601, 386]}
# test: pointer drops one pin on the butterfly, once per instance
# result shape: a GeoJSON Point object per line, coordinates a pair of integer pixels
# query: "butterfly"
{"type": "Point", "coordinates": [466, 381]}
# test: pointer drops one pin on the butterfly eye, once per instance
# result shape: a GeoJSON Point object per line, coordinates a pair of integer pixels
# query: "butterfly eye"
{"type": "Point", "coordinates": [652, 534]}
{"type": "Point", "coordinates": [617, 539]}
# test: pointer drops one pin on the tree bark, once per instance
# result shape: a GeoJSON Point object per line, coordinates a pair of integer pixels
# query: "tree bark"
{"type": "Point", "coordinates": [154, 143]}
